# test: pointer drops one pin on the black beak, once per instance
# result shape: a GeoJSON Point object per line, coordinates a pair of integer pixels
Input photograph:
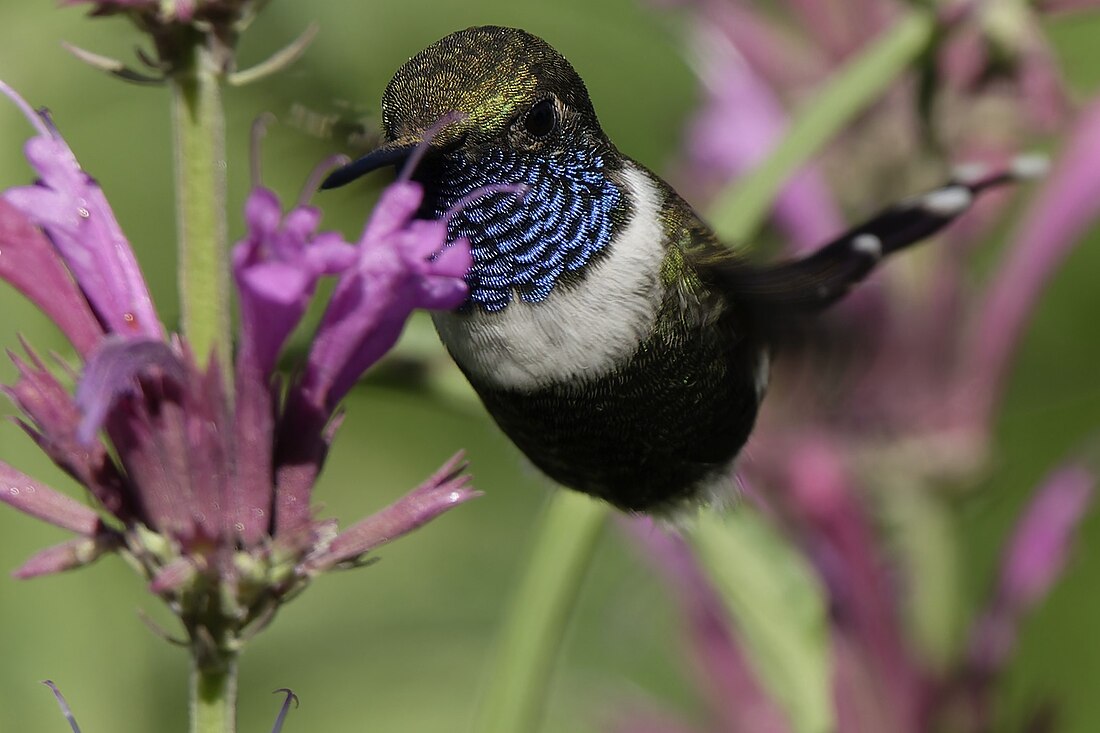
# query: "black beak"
{"type": "Point", "coordinates": [389, 154]}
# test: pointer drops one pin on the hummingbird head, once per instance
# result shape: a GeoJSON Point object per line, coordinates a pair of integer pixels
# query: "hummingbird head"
{"type": "Point", "coordinates": [512, 89]}
{"type": "Point", "coordinates": [524, 118]}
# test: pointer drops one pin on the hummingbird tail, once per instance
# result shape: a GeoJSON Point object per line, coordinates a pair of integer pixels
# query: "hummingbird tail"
{"type": "Point", "coordinates": [815, 282]}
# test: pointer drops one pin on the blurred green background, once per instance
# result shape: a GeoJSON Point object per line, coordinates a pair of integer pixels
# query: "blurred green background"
{"type": "Point", "coordinates": [401, 646]}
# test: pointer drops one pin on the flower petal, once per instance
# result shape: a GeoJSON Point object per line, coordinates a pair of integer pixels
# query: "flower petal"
{"type": "Point", "coordinates": [40, 501]}
{"type": "Point", "coordinates": [1033, 560]}
{"type": "Point", "coordinates": [252, 488]}
{"type": "Point", "coordinates": [274, 297]}
{"type": "Point", "coordinates": [66, 556]}
{"type": "Point", "coordinates": [171, 425]}
{"type": "Point", "coordinates": [112, 372]}
{"type": "Point", "coordinates": [72, 210]}
{"type": "Point", "coordinates": [443, 491]}
{"type": "Point", "coordinates": [277, 268]}
{"type": "Point", "coordinates": [42, 398]}
{"type": "Point", "coordinates": [31, 265]}
{"type": "Point", "coordinates": [1039, 546]}
{"type": "Point", "coordinates": [404, 264]}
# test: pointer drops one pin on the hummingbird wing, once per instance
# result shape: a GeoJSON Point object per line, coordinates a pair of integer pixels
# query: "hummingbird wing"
{"type": "Point", "coordinates": [816, 281]}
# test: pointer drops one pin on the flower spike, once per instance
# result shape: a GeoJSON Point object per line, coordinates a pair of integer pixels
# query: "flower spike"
{"type": "Point", "coordinates": [443, 491]}
{"type": "Point", "coordinates": [197, 481]}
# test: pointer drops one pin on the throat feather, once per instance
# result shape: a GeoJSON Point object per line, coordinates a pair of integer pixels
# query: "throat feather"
{"type": "Point", "coordinates": [584, 329]}
{"type": "Point", "coordinates": [526, 246]}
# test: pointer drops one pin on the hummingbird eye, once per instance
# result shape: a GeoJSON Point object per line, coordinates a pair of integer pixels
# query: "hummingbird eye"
{"type": "Point", "coordinates": [541, 119]}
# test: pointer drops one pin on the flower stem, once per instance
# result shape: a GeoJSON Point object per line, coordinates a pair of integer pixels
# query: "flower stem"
{"type": "Point", "coordinates": [778, 608]}
{"type": "Point", "coordinates": [517, 685]}
{"type": "Point", "coordinates": [199, 140]}
{"type": "Point", "coordinates": [214, 694]}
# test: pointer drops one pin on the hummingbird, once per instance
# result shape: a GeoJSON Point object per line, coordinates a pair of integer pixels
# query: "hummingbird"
{"type": "Point", "coordinates": [609, 333]}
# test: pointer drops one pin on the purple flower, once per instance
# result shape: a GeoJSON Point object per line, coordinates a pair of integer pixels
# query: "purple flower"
{"type": "Point", "coordinates": [909, 401]}
{"type": "Point", "coordinates": [919, 403]}
{"type": "Point", "coordinates": [880, 681]}
{"type": "Point", "coordinates": [723, 668]}
{"type": "Point", "coordinates": [70, 208]}
{"type": "Point", "coordinates": [400, 263]}
{"type": "Point", "coordinates": [204, 474]}
{"type": "Point", "coordinates": [277, 268]}
{"type": "Point", "coordinates": [408, 258]}
{"type": "Point", "coordinates": [165, 10]}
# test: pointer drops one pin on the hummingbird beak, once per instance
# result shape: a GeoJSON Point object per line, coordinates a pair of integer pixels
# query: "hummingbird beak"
{"type": "Point", "coordinates": [408, 150]}
{"type": "Point", "coordinates": [394, 154]}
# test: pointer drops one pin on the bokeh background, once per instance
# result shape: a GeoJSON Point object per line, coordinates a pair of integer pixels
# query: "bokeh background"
{"type": "Point", "coordinates": [402, 645]}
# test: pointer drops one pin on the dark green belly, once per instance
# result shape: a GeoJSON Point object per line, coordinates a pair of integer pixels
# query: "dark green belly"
{"type": "Point", "coordinates": [648, 435]}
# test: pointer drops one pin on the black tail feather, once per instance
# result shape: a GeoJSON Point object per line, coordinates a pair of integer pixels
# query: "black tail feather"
{"type": "Point", "coordinates": [814, 282]}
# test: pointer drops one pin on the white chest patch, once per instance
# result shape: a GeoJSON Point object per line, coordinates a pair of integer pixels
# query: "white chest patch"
{"type": "Point", "coordinates": [580, 331]}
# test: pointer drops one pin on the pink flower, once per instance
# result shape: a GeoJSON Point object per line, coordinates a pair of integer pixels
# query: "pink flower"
{"type": "Point", "coordinates": [204, 482]}
{"type": "Point", "coordinates": [908, 389]}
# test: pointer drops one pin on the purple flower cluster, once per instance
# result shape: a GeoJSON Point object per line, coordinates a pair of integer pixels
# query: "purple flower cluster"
{"type": "Point", "coordinates": [203, 475]}
{"type": "Point", "coordinates": [878, 680]}
{"type": "Point", "coordinates": [909, 403]}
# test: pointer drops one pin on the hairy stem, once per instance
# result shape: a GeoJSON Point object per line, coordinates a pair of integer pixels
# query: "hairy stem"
{"type": "Point", "coordinates": [214, 694]}
{"type": "Point", "coordinates": [199, 141]}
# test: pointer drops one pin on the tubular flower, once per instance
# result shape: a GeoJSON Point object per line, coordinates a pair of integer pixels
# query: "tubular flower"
{"type": "Point", "coordinates": [206, 487]}
{"type": "Point", "coordinates": [915, 410]}
{"type": "Point", "coordinates": [878, 680]}
{"type": "Point", "coordinates": [874, 429]}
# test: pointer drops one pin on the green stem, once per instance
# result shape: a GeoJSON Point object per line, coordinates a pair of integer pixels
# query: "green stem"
{"type": "Point", "coordinates": [777, 607]}
{"type": "Point", "coordinates": [199, 141]}
{"type": "Point", "coordinates": [517, 685]}
{"type": "Point", "coordinates": [738, 210]}
{"type": "Point", "coordinates": [214, 695]}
